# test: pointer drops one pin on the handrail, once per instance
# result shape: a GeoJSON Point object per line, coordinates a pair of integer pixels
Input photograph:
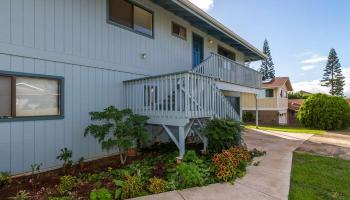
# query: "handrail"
{"type": "Point", "coordinates": [178, 95]}
{"type": "Point", "coordinates": [230, 71]}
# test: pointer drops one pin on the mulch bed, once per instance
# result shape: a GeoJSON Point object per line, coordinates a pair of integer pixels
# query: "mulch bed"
{"type": "Point", "coordinates": [51, 178]}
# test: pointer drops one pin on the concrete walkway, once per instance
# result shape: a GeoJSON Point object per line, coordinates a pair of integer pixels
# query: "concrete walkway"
{"type": "Point", "coordinates": [269, 180]}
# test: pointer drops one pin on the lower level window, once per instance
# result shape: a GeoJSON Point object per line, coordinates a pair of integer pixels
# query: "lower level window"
{"type": "Point", "coordinates": [30, 96]}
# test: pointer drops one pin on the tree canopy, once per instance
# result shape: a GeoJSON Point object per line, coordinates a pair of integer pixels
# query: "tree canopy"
{"type": "Point", "coordinates": [333, 76]}
{"type": "Point", "coordinates": [267, 67]}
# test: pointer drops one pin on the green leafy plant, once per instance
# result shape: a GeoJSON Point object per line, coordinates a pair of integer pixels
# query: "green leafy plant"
{"type": "Point", "coordinates": [35, 174]}
{"type": "Point", "coordinates": [21, 195]}
{"type": "Point", "coordinates": [118, 188]}
{"type": "Point", "coordinates": [126, 128]}
{"type": "Point", "coordinates": [5, 178]}
{"type": "Point", "coordinates": [321, 111]}
{"type": "Point", "coordinates": [256, 153]}
{"type": "Point", "coordinates": [190, 156]}
{"type": "Point", "coordinates": [158, 185]}
{"type": "Point", "coordinates": [132, 187]}
{"type": "Point", "coordinates": [248, 117]}
{"type": "Point", "coordinates": [35, 168]}
{"type": "Point", "coordinates": [223, 134]}
{"type": "Point", "coordinates": [101, 194]}
{"type": "Point", "coordinates": [67, 183]}
{"type": "Point", "coordinates": [65, 156]}
{"type": "Point", "coordinates": [298, 95]}
{"type": "Point", "coordinates": [186, 175]}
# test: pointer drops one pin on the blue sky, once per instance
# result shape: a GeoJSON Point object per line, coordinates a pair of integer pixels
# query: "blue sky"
{"type": "Point", "coordinates": [300, 34]}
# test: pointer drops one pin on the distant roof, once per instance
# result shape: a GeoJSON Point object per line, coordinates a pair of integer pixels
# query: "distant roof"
{"type": "Point", "coordinates": [294, 104]}
{"type": "Point", "coordinates": [278, 82]}
{"type": "Point", "coordinates": [204, 22]}
{"type": "Point", "coordinates": [304, 92]}
{"type": "Point", "coordinates": [349, 101]}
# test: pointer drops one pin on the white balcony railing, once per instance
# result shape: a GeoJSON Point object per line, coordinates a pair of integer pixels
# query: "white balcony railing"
{"type": "Point", "coordinates": [229, 71]}
{"type": "Point", "coordinates": [178, 95]}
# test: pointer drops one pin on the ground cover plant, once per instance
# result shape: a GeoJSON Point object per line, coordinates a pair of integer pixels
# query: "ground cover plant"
{"type": "Point", "coordinates": [319, 177]}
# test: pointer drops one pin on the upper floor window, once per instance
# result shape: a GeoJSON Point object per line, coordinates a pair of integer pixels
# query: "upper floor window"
{"type": "Point", "coordinates": [24, 96]}
{"type": "Point", "coordinates": [284, 94]}
{"type": "Point", "coordinates": [179, 31]}
{"type": "Point", "coordinates": [269, 92]}
{"type": "Point", "coordinates": [131, 16]}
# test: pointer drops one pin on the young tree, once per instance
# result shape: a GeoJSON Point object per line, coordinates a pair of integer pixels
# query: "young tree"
{"type": "Point", "coordinates": [333, 76]}
{"type": "Point", "coordinates": [267, 67]}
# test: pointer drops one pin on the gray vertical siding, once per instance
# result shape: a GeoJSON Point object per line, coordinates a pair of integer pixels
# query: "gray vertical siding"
{"type": "Point", "coordinates": [86, 89]}
{"type": "Point", "coordinates": [71, 38]}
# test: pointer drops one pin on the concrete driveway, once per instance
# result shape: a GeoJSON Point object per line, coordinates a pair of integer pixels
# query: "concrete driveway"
{"type": "Point", "coordinates": [269, 180]}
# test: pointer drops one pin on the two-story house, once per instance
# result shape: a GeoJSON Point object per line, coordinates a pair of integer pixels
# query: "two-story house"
{"type": "Point", "coordinates": [272, 102]}
{"type": "Point", "coordinates": [61, 59]}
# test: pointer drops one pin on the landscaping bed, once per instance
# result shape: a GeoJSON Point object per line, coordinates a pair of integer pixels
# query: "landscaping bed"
{"type": "Point", "coordinates": [155, 171]}
{"type": "Point", "coordinates": [319, 177]}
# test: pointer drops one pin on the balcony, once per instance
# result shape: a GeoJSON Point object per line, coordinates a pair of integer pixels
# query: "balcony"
{"type": "Point", "coordinates": [229, 71]}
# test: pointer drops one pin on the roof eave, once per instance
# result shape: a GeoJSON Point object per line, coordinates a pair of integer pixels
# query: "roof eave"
{"type": "Point", "coordinates": [252, 53]}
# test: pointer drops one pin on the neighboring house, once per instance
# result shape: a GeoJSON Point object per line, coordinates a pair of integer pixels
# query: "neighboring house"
{"type": "Point", "coordinates": [293, 108]}
{"type": "Point", "coordinates": [348, 101]}
{"type": "Point", "coordinates": [272, 103]}
{"type": "Point", "coordinates": [59, 60]}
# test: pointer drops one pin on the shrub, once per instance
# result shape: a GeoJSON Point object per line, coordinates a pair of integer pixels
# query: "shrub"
{"type": "Point", "coordinates": [186, 175]}
{"type": "Point", "coordinates": [230, 163]}
{"type": "Point", "coordinates": [222, 134]}
{"type": "Point", "coordinates": [65, 156]}
{"type": "Point", "coordinates": [4, 178]}
{"type": "Point", "coordinates": [190, 156]}
{"type": "Point", "coordinates": [126, 128]}
{"type": "Point", "coordinates": [325, 112]}
{"type": "Point", "coordinates": [297, 95]}
{"type": "Point", "coordinates": [67, 183]}
{"type": "Point", "coordinates": [157, 185]}
{"type": "Point", "coordinates": [248, 117]}
{"type": "Point", "coordinates": [21, 195]}
{"type": "Point", "coordinates": [101, 194]}
{"type": "Point", "coordinates": [132, 187]}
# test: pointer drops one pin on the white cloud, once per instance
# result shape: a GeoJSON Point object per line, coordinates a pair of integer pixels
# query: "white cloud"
{"type": "Point", "coordinates": [314, 60]}
{"type": "Point", "coordinates": [310, 86]}
{"type": "Point", "coordinates": [346, 73]}
{"type": "Point", "coordinates": [203, 4]}
{"type": "Point", "coordinates": [315, 85]}
{"type": "Point", "coordinates": [307, 67]}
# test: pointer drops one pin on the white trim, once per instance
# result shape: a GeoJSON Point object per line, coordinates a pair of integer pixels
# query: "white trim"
{"type": "Point", "coordinates": [236, 88]}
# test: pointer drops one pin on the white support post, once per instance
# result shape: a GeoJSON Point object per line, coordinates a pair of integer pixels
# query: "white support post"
{"type": "Point", "coordinates": [182, 139]}
{"type": "Point", "coordinates": [256, 111]}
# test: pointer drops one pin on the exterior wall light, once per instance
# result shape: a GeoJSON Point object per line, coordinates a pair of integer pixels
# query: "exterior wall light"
{"type": "Point", "coordinates": [210, 41]}
{"type": "Point", "coordinates": [144, 56]}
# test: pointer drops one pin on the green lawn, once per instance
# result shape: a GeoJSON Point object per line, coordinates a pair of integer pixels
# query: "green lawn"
{"type": "Point", "coordinates": [288, 129]}
{"type": "Point", "coordinates": [317, 177]}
